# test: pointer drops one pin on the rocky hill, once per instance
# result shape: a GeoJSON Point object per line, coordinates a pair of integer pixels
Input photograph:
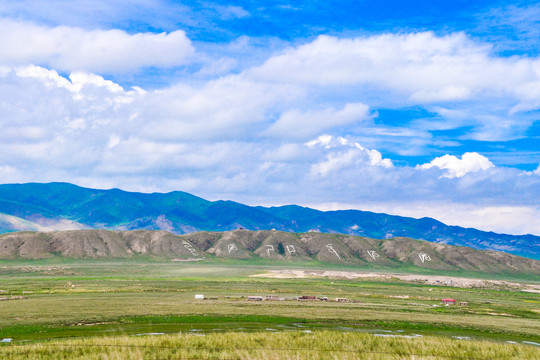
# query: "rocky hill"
{"type": "Point", "coordinates": [244, 244]}
{"type": "Point", "coordinates": [61, 206]}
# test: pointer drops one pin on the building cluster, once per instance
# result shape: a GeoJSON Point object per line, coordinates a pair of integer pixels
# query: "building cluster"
{"type": "Point", "coordinates": [453, 302]}
{"type": "Point", "coordinates": [446, 302]}
{"type": "Point", "coordinates": [297, 298]}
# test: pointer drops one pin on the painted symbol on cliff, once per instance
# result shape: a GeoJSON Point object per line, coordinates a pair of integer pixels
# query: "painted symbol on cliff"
{"type": "Point", "coordinates": [332, 250]}
{"type": "Point", "coordinates": [424, 257]}
{"type": "Point", "coordinates": [373, 254]}
{"type": "Point", "coordinates": [291, 249]}
{"type": "Point", "coordinates": [190, 248]}
{"type": "Point", "coordinates": [232, 247]}
{"type": "Point", "coordinates": [269, 248]}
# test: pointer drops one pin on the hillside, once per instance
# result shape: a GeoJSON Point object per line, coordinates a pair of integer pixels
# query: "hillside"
{"type": "Point", "coordinates": [61, 206]}
{"type": "Point", "coordinates": [272, 245]}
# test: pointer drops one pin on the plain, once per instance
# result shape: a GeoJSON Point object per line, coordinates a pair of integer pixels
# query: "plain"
{"type": "Point", "coordinates": [104, 306]}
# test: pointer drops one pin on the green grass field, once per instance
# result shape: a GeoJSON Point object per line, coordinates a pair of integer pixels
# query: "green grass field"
{"type": "Point", "coordinates": [99, 309]}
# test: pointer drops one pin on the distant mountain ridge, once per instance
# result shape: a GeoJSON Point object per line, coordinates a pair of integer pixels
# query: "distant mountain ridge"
{"type": "Point", "coordinates": [63, 206]}
{"type": "Point", "coordinates": [270, 245]}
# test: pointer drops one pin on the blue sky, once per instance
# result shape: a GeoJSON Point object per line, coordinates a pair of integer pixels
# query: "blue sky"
{"type": "Point", "coordinates": [425, 108]}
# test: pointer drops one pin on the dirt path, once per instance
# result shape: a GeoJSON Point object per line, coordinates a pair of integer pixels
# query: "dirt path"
{"type": "Point", "coordinates": [426, 279]}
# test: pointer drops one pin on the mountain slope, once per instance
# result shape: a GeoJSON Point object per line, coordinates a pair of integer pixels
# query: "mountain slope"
{"type": "Point", "coordinates": [271, 245]}
{"type": "Point", "coordinates": [63, 206]}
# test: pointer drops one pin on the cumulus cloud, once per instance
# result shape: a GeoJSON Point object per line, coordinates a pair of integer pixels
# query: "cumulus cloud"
{"type": "Point", "coordinates": [51, 122]}
{"type": "Point", "coordinates": [456, 167]}
{"type": "Point", "coordinates": [330, 142]}
{"type": "Point", "coordinates": [104, 51]}
{"type": "Point", "coordinates": [342, 153]}
{"type": "Point", "coordinates": [74, 84]}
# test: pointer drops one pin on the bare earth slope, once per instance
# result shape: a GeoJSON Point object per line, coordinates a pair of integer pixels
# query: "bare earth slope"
{"type": "Point", "coordinates": [244, 244]}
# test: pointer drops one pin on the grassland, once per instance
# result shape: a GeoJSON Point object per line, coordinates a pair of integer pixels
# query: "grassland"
{"type": "Point", "coordinates": [259, 345]}
{"type": "Point", "coordinates": [73, 308]}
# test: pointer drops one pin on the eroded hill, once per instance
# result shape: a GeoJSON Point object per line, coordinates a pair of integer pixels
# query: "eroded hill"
{"type": "Point", "coordinates": [244, 244]}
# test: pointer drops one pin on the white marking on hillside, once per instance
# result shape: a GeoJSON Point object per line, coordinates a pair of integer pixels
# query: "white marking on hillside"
{"type": "Point", "coordinates": [190, 248]}
{"type": "Point", "coordinates": [332, 250]}
{"type": "Point", "coordinates": [291, 249]}
{"type": "Point", "coordinates": [232, 247]}
{"type": "Point", "coordinates": [424, 257]}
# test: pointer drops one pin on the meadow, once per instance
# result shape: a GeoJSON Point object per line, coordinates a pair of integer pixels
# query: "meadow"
{"type": "Point", "coordinates": [144, 308]}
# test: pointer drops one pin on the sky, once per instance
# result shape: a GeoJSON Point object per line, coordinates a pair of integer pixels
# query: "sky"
{"type": "Point", "coordinates": [423, 109]}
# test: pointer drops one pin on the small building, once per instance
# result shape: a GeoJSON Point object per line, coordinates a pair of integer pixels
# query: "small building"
{"type": "Point", "coordinates": [464, 303]}
{"type": "Point", "coordinates": [323, 298]}
{"type": "Point", "coordinates": [272, 298]}
{"type": "Point", "coordinates": [341, 300]}
{"type": "Point", "coordinates": [448, 301]}
{"type": "Point", "coordinates": [255, 298]}
{"type": "Point", "coordinates": [199, 297]}
{"type": "Point", "coordinates": [307, 297]}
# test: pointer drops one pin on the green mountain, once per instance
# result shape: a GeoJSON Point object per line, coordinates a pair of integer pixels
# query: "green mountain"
{"type": "Point", "coordinates": [62, 206]}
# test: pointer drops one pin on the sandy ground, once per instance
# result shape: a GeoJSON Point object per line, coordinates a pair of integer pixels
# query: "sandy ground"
{"type": "Point", "coordinates": [426, 279]}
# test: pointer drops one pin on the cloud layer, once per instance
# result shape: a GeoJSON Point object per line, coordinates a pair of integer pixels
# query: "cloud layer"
{"type": "Point", "coordinates": [104, 51]}
{"type": "Point", "coordinates": [306, 125]}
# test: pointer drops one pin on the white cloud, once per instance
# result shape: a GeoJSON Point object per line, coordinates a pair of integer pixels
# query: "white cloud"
{"type": "Point", "coordinates": [469, 162]}
{"type": "Point", "coordinates": [323, 140]}
{"type": "Point", "coordinates": [342, 153]}
{"type": "Point", "coordinates": [75, 83]}
{"type": "Point", "coordinates": [72, 49]}
{"type": "Point", "coordinates": [302, 125]}
{"type": "Point", "coordinates": [54, 124]}
{"type": "Point", "coordinates": [231, 107]}
{"type": "Point", "coordinates": [421, 67]}
{"type": "Point", "coordinates": [448, 93]}
{"type": "Point", "coordinates": [335, 162]}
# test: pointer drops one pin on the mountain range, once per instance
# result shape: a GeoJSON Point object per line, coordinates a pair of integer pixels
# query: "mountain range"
{"type": "Point", "coordinates": [63, 206]}
{"type": "Point", "coordinates": [271, 245]}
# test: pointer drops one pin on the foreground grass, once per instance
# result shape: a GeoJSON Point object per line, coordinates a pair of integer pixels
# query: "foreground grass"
{"type": "Point", "coordinates": [264, 345]}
